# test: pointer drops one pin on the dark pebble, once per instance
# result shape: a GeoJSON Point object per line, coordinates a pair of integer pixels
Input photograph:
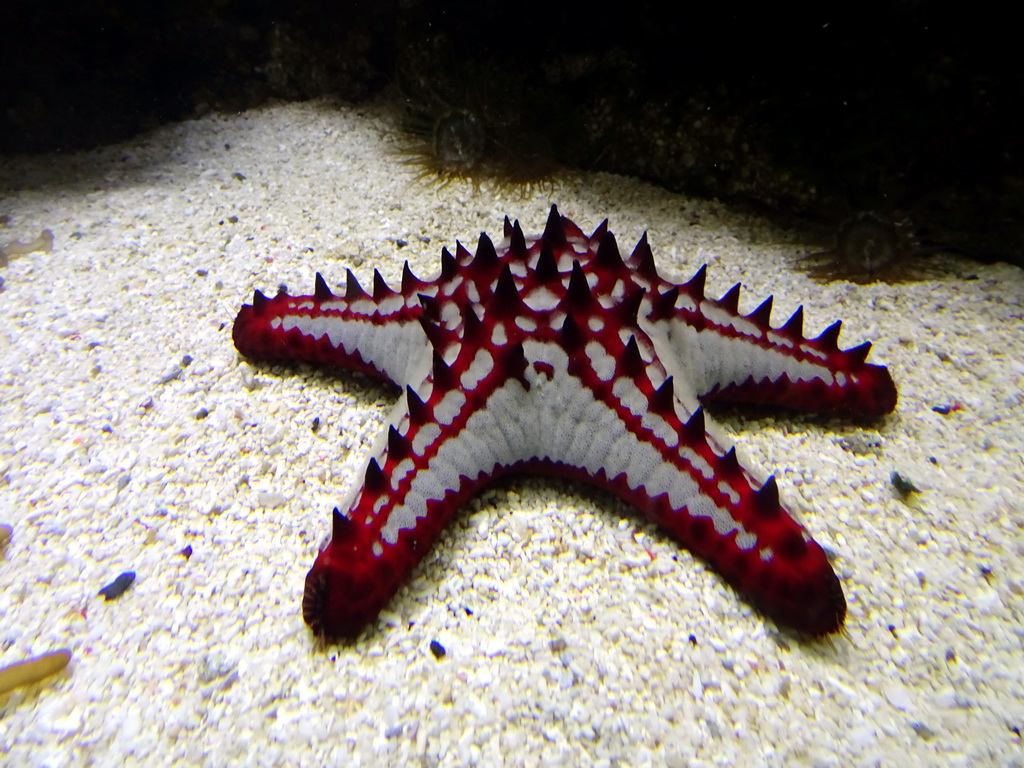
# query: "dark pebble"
{"type": "Point", "coordinates": [903, 487]}
{"type": "Point", "coordinates": [118, 586]}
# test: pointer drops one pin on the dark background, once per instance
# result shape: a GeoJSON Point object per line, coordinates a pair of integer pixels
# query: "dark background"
{"type": "Point", "coordinates": [905, 108]}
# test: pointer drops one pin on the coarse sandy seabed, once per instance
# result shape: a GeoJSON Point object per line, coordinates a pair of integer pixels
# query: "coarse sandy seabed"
{"type": "Point", "coordinates": [575, 632]}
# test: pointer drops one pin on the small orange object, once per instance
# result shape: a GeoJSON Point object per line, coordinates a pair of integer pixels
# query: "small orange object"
{"type": "Point", "coordinates": [33, 670]}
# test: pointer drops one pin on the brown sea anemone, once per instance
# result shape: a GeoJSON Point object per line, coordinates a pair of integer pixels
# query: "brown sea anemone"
{"type": "Point", "coordinates": [870, 246]}
{"type": "Point", "coordinates": [473, 121]}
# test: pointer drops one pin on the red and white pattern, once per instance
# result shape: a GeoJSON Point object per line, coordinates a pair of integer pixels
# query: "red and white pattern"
{"type": "Point", "coordinates": [554, 355]}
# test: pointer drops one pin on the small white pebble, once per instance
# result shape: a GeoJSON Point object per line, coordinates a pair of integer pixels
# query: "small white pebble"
{"type": "Point", "coordinates": [898, 696]}
{"type": "Point", "coordinates": [271, 499]}
{"type": "Point", "coordinates": [495, 647]}
{"type": "Point", "coordinates": [988, 601]}
{"type": "Point", "coordinates": [862, 738]}
{"type": "Point", "coordinates": [697, 687]}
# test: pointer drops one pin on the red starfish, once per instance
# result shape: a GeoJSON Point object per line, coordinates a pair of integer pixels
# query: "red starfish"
{"type": "Point", "coordinates": [557, 356]}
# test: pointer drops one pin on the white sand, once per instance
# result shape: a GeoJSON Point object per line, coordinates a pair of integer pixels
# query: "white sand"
{"type": "Point", "coordinates": [578, 647]}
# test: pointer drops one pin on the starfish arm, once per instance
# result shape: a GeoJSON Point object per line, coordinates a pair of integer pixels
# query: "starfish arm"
{"type": "Point", "coordinates": [708, 503]}
{"type": "Point", "coordinates": [743, 359]}
{"type": "Point", "coordinates": [625, 435]}
{"type": "Point", "coordinates": [378, 335]}
{"type": "Point", "coordinates": [440, 450]}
